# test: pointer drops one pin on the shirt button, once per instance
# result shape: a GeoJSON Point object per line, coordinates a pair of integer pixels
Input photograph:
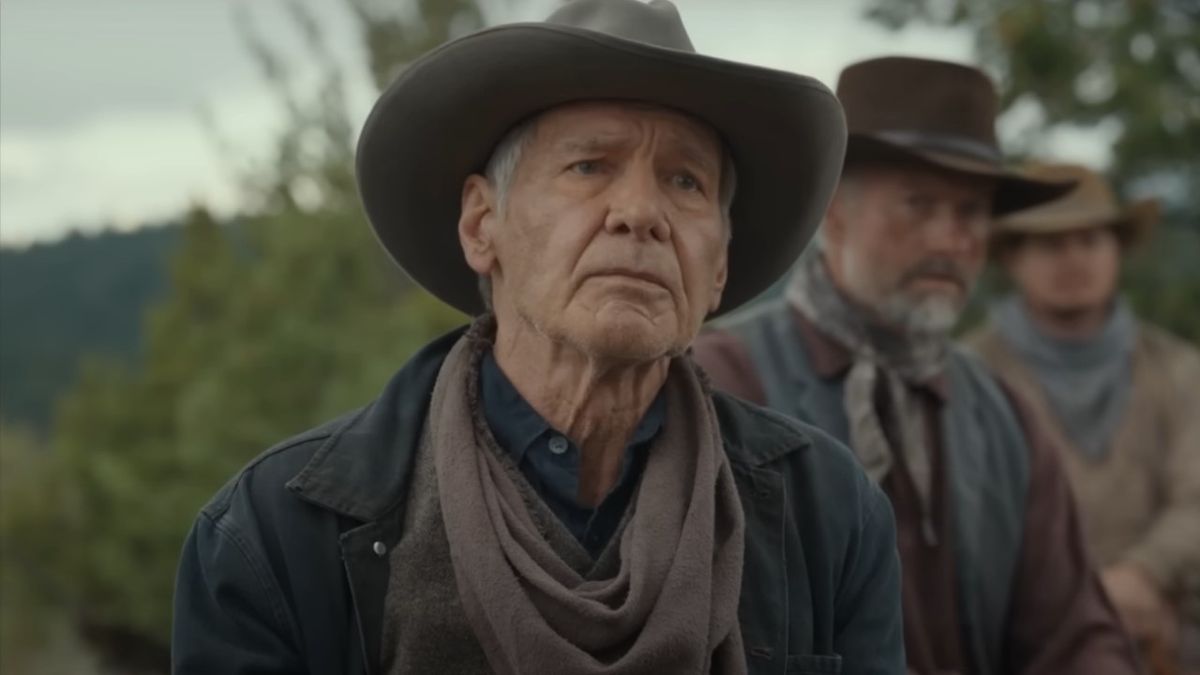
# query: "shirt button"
{"type": "Point", "coordinates": [558, 445]}
{"type": "Point", "coordinates": [379, 548]}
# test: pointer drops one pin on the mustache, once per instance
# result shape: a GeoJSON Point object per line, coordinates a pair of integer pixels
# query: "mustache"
{"type": "Point", "coordinates": [937, 267]}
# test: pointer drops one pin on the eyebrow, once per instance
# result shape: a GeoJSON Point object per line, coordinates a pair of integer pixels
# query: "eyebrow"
{"type": "Point", "coordinates": [590, 144]}
{"type": "Point", "coordinates": [690, 151]}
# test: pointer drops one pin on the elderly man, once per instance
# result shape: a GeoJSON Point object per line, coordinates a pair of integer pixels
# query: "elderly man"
{"type": "Point", "coordinates": [555, 489]}
{"type": "Point", "coordinates": [1117, 393]}
{"type": "Point", "coordinates": [995, 576]}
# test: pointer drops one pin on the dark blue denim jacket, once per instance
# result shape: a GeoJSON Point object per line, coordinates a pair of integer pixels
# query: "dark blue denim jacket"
{"type": "Point", "coordinates": [286, 570]}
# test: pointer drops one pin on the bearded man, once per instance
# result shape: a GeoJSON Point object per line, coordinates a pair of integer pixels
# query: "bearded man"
{"type": "Point", "coordinates": [996, 578]}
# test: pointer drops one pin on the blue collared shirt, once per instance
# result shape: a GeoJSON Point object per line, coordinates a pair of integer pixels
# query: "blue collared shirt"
{"type": "Point", "coordinates": [550, 461]}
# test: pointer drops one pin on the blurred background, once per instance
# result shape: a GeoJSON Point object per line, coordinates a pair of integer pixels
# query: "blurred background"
{"type": "Point", "coordinates": [186, 277]}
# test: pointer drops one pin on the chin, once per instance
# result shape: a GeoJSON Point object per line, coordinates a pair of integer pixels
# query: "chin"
{"type": "Point", "coordinates": [624, 335]}
{"type": "Point", "coordinates": [935, 317]}
{"type": "Point", "coordinates": [1078, 301]}
{"type": "Point", "coordinates": [928, 314]}
{"type": "Point", "coordinates": [1072, 307]}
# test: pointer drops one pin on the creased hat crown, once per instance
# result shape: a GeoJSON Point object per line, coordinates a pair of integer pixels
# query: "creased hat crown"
{"type": "Point", "coordinates": [655, 23]}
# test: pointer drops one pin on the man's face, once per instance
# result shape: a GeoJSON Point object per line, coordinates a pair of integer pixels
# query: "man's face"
{"type": "Point", "coordinates": [908, 242]}
{"type": "Point", "coordinates": [1066, 272]}
{"type": "Point", "coordinates": [611, 238]}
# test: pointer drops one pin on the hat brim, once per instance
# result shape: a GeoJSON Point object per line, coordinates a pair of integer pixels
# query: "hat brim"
{"type": "Point", "coordinates": [439, 121]}
{"type": "Point", "coordinates": [1135, 222]}
{"type": "Point", "coordinates": [1014, 191]}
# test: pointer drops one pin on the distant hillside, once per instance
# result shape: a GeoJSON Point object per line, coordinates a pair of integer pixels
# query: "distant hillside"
{"type": "Point", "coordinates": [60, 301]}
{"type": "Point", "coordinates": [87, 295]}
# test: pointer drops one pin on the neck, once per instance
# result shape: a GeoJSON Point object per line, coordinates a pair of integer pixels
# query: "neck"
{"type": "Point", "coordinates": [596, 402]}
{"type": "Point", "coordinates": [1074, 324]}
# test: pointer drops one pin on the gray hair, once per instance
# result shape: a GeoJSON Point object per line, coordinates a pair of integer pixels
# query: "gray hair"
{"type": "Point", "coordinates": [849, 184]}
{"type": "Point", "coordinates": [502, 165]}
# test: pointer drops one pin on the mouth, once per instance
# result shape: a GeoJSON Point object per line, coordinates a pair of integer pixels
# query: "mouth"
{"type": "Point", "coordinates": [1070, 278]}
{"type": "Point", "coordinates": [632, 275]}
{"type": "Point", "coordinates": [938, 281]}
{"type": "Point", "coordinates": [939, 275]}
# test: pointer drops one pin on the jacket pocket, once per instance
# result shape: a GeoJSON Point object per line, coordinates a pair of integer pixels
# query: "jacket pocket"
{"type": "Point", "coordinates": [814, 664]}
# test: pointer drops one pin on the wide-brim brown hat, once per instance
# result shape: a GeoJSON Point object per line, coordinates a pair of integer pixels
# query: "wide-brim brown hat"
{"type": "Point", "coordinates": [440, 120]}
{"type": "Point", "coordinates": [901, 108]}
{"type": "Point", "coordinates": [1091, 203]}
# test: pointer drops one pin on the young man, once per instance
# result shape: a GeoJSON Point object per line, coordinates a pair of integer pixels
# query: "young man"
{"type": "Point", "coordinates": [995, 575]}
{"type": "Point", "coordinates": [555, 489]}
{"type": "Point", "coordinates": [1118, 394]}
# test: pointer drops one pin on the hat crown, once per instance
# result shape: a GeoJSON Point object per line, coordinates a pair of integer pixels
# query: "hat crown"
{"type": "Point", "coordinates": [1090, 200]}
{"type": "Point", "coordinates": [655, 23]}
{"type": "Point", "coordinates": [1090, 191]}
{"type": "Point", "coordinates": [922, 101]}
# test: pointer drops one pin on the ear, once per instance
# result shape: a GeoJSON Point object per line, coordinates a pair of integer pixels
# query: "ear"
{"type": "Point", "coordinates": [476, 224]}
{"type": "Point", "coordinates": [833, 227]}
{"type": "Point", "coordinates": [719, 280]}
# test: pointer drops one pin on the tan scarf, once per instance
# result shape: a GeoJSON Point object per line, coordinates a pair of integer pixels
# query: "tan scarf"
{"type": "Point", "coordinates": [672, 605]}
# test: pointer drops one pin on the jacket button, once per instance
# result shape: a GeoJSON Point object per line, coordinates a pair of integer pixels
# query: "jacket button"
{"type": "Point", "coordinates": [379, 548]}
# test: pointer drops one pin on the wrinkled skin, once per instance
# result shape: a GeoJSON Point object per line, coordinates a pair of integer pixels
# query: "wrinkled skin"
{"type": "Point", "coordinates": [611, 238]}
{"type": "Point", "coordinates": [605, 257]}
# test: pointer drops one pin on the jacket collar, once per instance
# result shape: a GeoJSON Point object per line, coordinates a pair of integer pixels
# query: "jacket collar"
{"type": "Point", "coordinates": [756, 436]}
{"type": "Point", "coordinates": [362, 469]}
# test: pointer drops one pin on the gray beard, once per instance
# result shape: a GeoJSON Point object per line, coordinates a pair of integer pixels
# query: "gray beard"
{"type": "Point", "coordinates": [929, 315]}
{"type": "Point", "coordinates": [912, 340]}
{"type": "Point", "coordinates": [926, 315]}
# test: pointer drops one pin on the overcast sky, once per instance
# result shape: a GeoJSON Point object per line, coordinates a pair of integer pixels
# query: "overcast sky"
{"type": "Point", "coordinates": [101, 100]}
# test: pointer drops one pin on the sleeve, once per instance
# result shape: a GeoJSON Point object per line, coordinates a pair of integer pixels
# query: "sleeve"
{"type": "Point", "coordinates": [1062, 622]}
{"type": "Point", "coordinates": [1170, 548]}
{"type": "Point", "coordinates": [229, 614]}
{"type": "Point", "coordinates": [869, 630]}
{"type": "Point", "coordinates": [725, 359]}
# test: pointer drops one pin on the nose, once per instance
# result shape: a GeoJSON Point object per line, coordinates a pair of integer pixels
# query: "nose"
{"type": "Point", "coordinates": [951, 233]}
{"type": "Point", "coordinates": [637, 205]}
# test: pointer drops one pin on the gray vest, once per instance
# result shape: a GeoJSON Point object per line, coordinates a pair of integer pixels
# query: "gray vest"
{"type": "Point", "coordinates": [987, 457]}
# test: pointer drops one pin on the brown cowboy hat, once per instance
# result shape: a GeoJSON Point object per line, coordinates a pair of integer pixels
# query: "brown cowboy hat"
{"type": "Point", "coordinates": [440, 120]}
{"type": "Point", "coordinates": [901, 108]}
{"type": "Point", "coordinates": [1091, 203]}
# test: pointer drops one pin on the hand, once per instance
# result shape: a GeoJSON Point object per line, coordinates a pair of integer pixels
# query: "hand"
{"type": "Point", "coordinates": [1145, 612]}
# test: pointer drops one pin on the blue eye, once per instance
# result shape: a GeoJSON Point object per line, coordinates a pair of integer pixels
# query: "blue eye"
{"type": "Point", "coordinates": [586, 167]}
{"type": "Point", "coordinates": [685, 181]}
